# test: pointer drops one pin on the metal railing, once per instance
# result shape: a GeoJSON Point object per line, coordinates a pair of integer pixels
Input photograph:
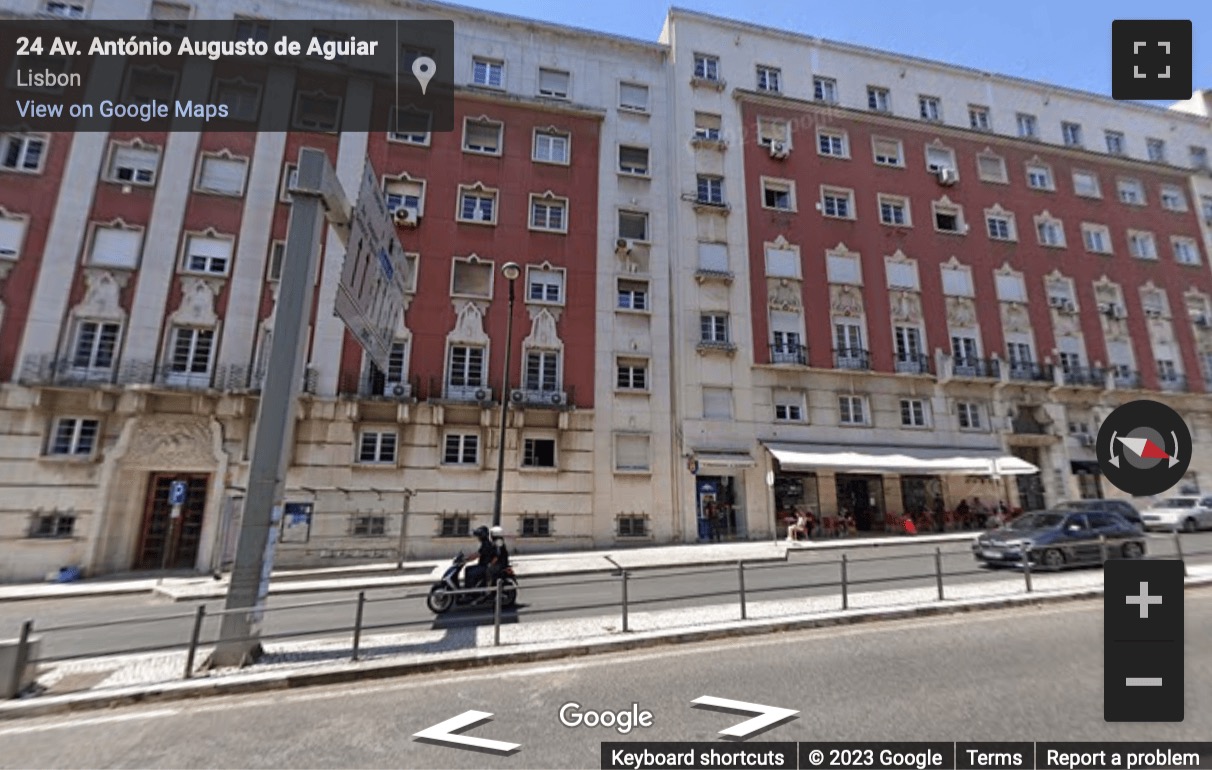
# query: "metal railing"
{"type": "Point", "coordinates": [911, 363]}
{"type": "Point", "coordinates": [787, 353]}
{"type": "Point", "coordinates": [1087, 376]}
{"type": "Point", "coordinates": [855, 359]}
{"type": "Point", "coordinates": [966, 366]}
{"type": "Point", "coordinates": [1129, 380]}
{"type": "Point", "coordinates": [1028, 371]}
{"type": "Point", "coordinates": [1172, 383]}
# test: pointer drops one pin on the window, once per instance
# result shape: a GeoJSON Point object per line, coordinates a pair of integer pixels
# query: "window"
{"type": "Point", "coordinates": [1156, 149]}
{"type": "Point", "coordinates": [471, 278]}
{"type": "Point", "coordinates": [12, 236]}
{"type": "Point", "coordinates": [838, 203]}
{"type": "Point", "coordinates": [717, 403]}
{"type": "Point", "coordinates": [769, 79]}
{"type": "Point", "coordinates": [1028, 127]}
{"type": "Point", "coordinates": [978, 117]}
{"type": "Point", "coordinates": [713, 257]}
{"type": "Point", "coordinates": [169, 18]}
{"type": "Point", "coordinates": [549, 213]}
{"type": "Point", "coordinates": [787, 343]}
{"type": "Point", "coordinates": [96, 345]}
{"type": "Point", "coordinates": [317, 112]}
{"type": "Point", "coordinates": [633, 225]}
{"type": "Point", "coordinates": [887, 152]}
{"type": "Point", "coordinates": [631, 374]}
{"type": "Point", "coordinates": [273, 269]}
{"type": "Point", "coordinates": [1142, 245]}
{"type": "Point", "coordinates": [707, 126]}
{"type": "Point", "coordinates": [706, 67]}
{"type": "Point", "coordinates": [466, 366]}
{"type": "Point", "coordinates": [483, 136]}
{"type": "Point", "coordinates": [191, 352]}
{"type": "Point", "coordinates": [908, 346]}
{"type": "Point", "coordinates": [633, 97]}
{"type": "Point", "coordinates": [538, 453]}
{"type": "Point", "coordinates": [713, 328]}
{"type": "Point", "coordinates": [367, 525]}
{"type": "Point", "coordinates": [770, 131]}
{"type": "Point", "coordinates": [411, 126]}
{"type": "Point", "coordinates": [1085, 184]}
{"type": "Point", "coordinates": [938, 158]}
{"type": "Point", "coordinates": [1072, 134]}
{"type": "Point", "coordinates": [969, 415]}
{"type": "Point", "coordinates": [64, 10]}
{"type": "Point", "coordinates": [632, 295]}
{"type": "Point", "coordinates": [1050, 231]}
{"type": "Point", "coordinates": [21, 152]}
{"type": "Point", "coordinates": [461, 449]}
{"type": "Point", "coordinates": [633, 160]}
{"type": "Point", "coordinates": [710, 190]}
{"type": "Point", "coordinates": [824, 90]}
{"type": "Point", "coordinates": [488, 72]}
{"type": "Point", "coordinates": [404, 193]}
{"type": "Point", "coordinates": [456, 525]}
{"type": "Point", "coordinates": [949, 218]}
{"type": "Point", "coordinates": [852, 410]}
{"type": "Point", "coordinates": [632, 526]}
{"type": "Point", "coordinates": [778, 194]}
{"type": "Point", "coordinates": [207, 254]}
{"type": "Point", "coordinates": [1186, 251]}
{"type": "Point", "coordinates": [991, 168]}
{"type": "Point", "coordinates": [1172, 198]}
{"type": "Point", "coordinates": [144, 86]}
{"type": "Point", "coordinates": [894, 210]}
{"type": "Point", "coordinates": [913, 413]}
{"type": "Point", "coordinates": [554, 83]}
{"type": "Point", "coordinates": [1039, 177]}
{"type": "Point", "coordinates": [831, 142]}
{"type": "Point", "coordinates": [930, 108]}
{"type": "Point", "coordinates": [788, 406]}
{"type": "Point", "coordinates": [536, 526]}
{"type": "Point", "coordinates": [377, 446]}
{"type": "Point", "coordinates": [901, 274]}
{"type": "Point", "coordinates": [290, 178]}
{"type": "Point", "coordinates": [879, 99]}
{"type": "Point", "coordinates": [1010, 287]}
{"type": "Point", "coordinates": [73, 437]}
{"type": "Point", "coordinates": [1205, 208]}
{"type": "Point", "coordinates": [542, 371]}
{"type": "Point", "coordinates": [1199, 157]}
{"type": "Point", "coordinates": [478, 205]}
{"type": "Point", "coordinates": [243, 100]}
{"type": "Point", "coordinates": [221, 175]}
{"type": "Point", "coordinates": [53, 525]}
{"type": "Point", "coordinates": [550, 147]}
{"type": "Point", "coordinates": [844, 269]}
{"type": "Point", "coordinates": [116, 247]}
{"type": "Point", "coordinates": [1131, 191]}
{"type": "Point", "coordinates": [631, 454]}
{"type": "Point", "coordinates": [848, 337]}
{"type": "Point", "coordinates": [133, 164]}
{"type": "Point", "coordinates": [545, 286]}
{"type": "Point", "coordinates": [1096, 238]}
{"type": "Point", "coordinates": [965, 350]}
{"type": "Point", "coordinates": [1000, 226]}
{"type": "Point", "coordinates": [957, 281]}
{"type": "Point", "coordinates": [1115, 142]}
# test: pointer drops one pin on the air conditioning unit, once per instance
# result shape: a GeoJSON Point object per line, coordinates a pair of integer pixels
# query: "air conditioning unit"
{"type": "Point", "coordinates": [1201, 319]}
{"type": "Point", "coordinates": [396, 389]}
{"type": "Point", "coordinates": [406, 217]}
{"type": "Point", "coordinates": [557, 398]}
{"type": "Point", "coordinates": [481, 395]}
{"type": "Point", "coordinates": [517, 396]}
{"type": "Point", "coordinates": [1153, 312]}
{"type": "Point", "coordinates": [624, 246]}
{"type": "Point", "coordinates": [779, 150]}
{"type": "Point", "coordinates": [947, 175]}
{"type": "Point", "coordinates": [1060, 303]}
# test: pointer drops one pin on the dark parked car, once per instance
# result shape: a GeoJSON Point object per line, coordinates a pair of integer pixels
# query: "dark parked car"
{"type": "Point", "coordinates": [1122, 507]}
{"type": "Point", "coordinates": [1062, 538]}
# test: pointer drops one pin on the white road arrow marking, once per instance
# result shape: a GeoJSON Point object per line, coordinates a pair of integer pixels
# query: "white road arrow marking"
{"type": "Point", "coordinates": [446, 732]}
{"type": "Point", "coordinates": [767, 715]}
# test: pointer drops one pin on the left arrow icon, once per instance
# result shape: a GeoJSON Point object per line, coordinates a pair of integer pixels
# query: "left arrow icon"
{"type": "Point", "coordinates": [767, 716]}
{"type": "Point", "coordinates": [447, 733]}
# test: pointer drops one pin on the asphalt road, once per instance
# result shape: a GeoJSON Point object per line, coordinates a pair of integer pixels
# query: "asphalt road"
{"type": "Point", "coordinates": [1029, 674]}
{"type": "Point", "coordinates": [332, 613]}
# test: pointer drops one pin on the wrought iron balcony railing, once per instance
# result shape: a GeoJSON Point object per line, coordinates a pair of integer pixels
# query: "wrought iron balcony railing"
{"type": "Point", "coordinates": [783, 353]}
{"type": "Point", "coordinates": [912, 363]}
{"type": "Point", "coordinates": [1126, 379]}
{"type": "Point", "coordinates": [855, 359]}
{"type": "Point", "coordinates": [966, 366]}
{"type": "Point", "coordinates": [1084, 376]}
{"type": "Point", "coordinates": [1172, 382]}
{"type": "Point", "coordinates": [1029, 371]}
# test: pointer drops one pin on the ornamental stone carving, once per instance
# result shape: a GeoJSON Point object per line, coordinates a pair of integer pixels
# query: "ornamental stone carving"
{"type": "Point", "coordinates": [961, 313]}
{"type": "Point", "coordinates": [783, 295]}
{"type": "Point", "coordinates": [543, 334]}
{"type": "Point", "coordinates": [906, 307]}
{"type": "Point", "coordinates": [469, 326]}
{"type": "Point", "coordinates": [197, 302]}
{"type": "Point", "coordinates": [171, 442]}
{"type": "Point", "coordinates": [101, 297]}
{"type": "Point", "coordinates": [1015, 317]}
{"type": "Point", "coordinates": [845, 300]}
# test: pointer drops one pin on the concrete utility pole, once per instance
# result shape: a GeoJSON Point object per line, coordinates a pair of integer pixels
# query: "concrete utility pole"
{"type": "Point", "coordinates": [317, 195]}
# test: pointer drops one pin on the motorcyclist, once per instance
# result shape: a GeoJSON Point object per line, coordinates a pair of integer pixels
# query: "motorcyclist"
{"type": "Point", "coordinates": [501, 555]}
{"type": "Point", "coordinates": [477, 571]}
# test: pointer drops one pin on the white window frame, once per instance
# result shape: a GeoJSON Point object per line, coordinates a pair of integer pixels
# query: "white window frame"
{"type": "Point", "coordinates": [882, 158]}
{"type": "Point", "coordinates": [529, 447]}
{"type": "Point", "coordinates": [551, 93]}
{"type": "Point", "coordinates": [968, 290]}
{"type": "Point", "coordinates": [647, 220]}
{"type": "Point", "coordinates": [633, 295]}
{"type": "Point", "coordinates": [930, 108]}
{"type": "Point", "coordinates": [92, 349]}
{"type": "Point", "coordinates": [646, 450]}
{"type": "Point", "coordinates": [553, 138]}
{"type": "Point", "coordinates": [707, 67]}
{"type": "Point", "coordinates": [222, 157]}
{"type": "Point", "coordinates": [1155, 149]}
{"type": "Point", "coordinates": [1187, 244]}
{"type": "Point", "coordinates": [879, 99]}
{"type": "Point", "coordinates": [824, 89]}
{"type": "Point", "coordinates": [1003, 281]}
{"type": "Point", "coordinates": [1115, 142]}
{"type": "Point", "coordinates": [483, 121]}
{"type": "Point", "coordinates": [915, 413]}
{"type": "Point", "coordinates": [1103, 233]}
{"type": "Point", "coordinates": [633, 106]}
{"type": "Point", "coordinates": [1027, 125]}
{"type": "Point", "coordinates": [549, 203]}
{"type": "Point", "coordinates": [1139, 238]}
{"type": "Point", "coordinates": [464, 365]}
{"type": "Point", "coordinates": [1097, 192]}
{"type": "Point", "coordinates": [119, 226]}
{"type": "Point", "coordinates": [25, 143]}
{"type": "Point", "coordinates": [846, 414]}
{"type": "Point", "coordinates": [632, 167]}
{"type": "Point", "coordinates": [778, 185]}
{"type": "Point", "coordinates": [1055, 229]}
{"type": "Point", "coordinates": [1071, 134]}
{"type": "Point", "coordinates": [789, 406]}
{"type": "Point", "coordinates": [77, 425]}
{"type": "Point", "coordinates": [13, 230]}
{"type": "Point", "coordinates": [546, 277]}
{"type": "Point", "coordinates": [835, 139]}
{"type": "Point", "coordinates": [979, 118]}
{"type": "Point", "coordinates": [481, 193]}
{"type": "Point", "coordinates": [951, 163]}
{"type": "Point", "coordinates": [1129, 187]}
{"type": "Point", "coordinates": [952, 209]}
{"type": "Point", "coordinates": [190, 374]}
{"type": "Point", "coordinates": [705, 132]}
{"type": "Point", "coordinates": [485, 266]}
{"type": "Point", "coordinates": [837, 193]}
{"type": "Point", "coordinates": [1172, 198]}
{"type": "Point", "coordinates": [488, 66]}
{"type": "Point", "coordinates": [771, 130]}
{"type": "Point", "coordinates": [1042, 172]}
{"type": "Point", "coordinates": [380, 446]}
{"type": "Point", "coordinates": [1001, 216]}
{"type": "Point", "coordinates": [891, 267]}
{"type": "Point", "coordinates": [140, 174]}
{"type": "Point", "coordinates": [1001, 177]}
{"type": "Point", "coordinates": [709, 190]}
{"type": "Point", "coordinates": [399, 188]}
{"type": "Point", "coordinates": [894, 201]}
{"type": "Point", "coordinates": [768, 78]}
{"type": "Point", "coordinates": [715, 328]}
{"type": "Point", "coordinates": [630, 370]}
{"type": "Point", "coordinates": [969, 412]}
{"type": "Point", "coordinates": [208, 259]}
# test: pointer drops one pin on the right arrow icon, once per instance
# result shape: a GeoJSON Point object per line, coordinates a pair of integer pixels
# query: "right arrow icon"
{"type": "Point", "coordinates": [767, 716]}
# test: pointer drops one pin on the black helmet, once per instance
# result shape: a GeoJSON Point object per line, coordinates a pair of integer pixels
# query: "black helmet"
{"type": "Point", "coordinates": [481, 532]}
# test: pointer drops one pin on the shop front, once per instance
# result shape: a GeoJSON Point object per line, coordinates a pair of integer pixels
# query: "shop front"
{"type": "Point", "coordinates": [719, 486]}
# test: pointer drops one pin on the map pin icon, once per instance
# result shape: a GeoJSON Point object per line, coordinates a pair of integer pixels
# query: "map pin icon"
{"type": "Point", "coordinates": [424, 68]}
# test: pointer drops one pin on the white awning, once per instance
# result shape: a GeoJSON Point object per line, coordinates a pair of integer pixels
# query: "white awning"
{"type": "Point", "coordinates": [887, 459]}
{"type": "Point", "coordinates": [724, 459]}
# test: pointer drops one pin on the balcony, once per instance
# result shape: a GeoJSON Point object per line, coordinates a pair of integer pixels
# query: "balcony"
{"type": "Point", "coordinates": [62, 372]}
{"type": "Point", "coordinates": [977, 368]}
{"type": "Point", "coordinates": [1029, 371]}
{"type": "Point", "coordinates": [1083, 376]}
{"type": "Point", "coordinates": [783, 353]}
{"type": "Point", "coordinates": [1126, 379]}
{"type": "Point", "coordinates": [703, 275]}
{"type": "Point", "coordinates": [541, 398]}
{"type": "Point", "coordinates": [716, 346]}
{"type": "Point", "coordinates": [1172, 382]}
{"type": "Point", "coordinates": [373, 385]}
{"type": "Point", "coordinates": [853, 359]}
{"type": "Point", "coordinates": [468, 394]}
{"type": "Point", "coordinates": [912, 363]}
{"type": "Point", "coordinates": [48, 370]}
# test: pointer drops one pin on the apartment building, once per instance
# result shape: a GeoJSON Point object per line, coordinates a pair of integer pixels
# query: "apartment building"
{"type": "Point", "coordinates": [916, 283]}
{"type": "Point", "coordinates": [140, 273]}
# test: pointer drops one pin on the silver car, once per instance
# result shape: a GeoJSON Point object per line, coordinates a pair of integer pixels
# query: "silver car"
{"type": "Point", "coordinates": [1186, 512]}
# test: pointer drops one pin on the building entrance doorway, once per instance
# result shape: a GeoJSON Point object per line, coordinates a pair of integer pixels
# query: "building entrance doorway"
{"type": "Point", "coordinates": [1030, 486]}
{"type": "Point", "coordinates": [863, 498]}
{"type": "Point", "coordinates": [165, 541]}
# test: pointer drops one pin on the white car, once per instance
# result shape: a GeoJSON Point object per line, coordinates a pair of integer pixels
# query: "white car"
{"type": "Point", "coordinates": [1186, 512]}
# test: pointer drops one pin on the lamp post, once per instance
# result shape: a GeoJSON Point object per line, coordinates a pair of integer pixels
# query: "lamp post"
{"type": "Point", "coordinates": [511, 271]}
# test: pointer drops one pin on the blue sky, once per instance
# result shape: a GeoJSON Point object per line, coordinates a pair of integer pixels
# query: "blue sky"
{"type": "Point", "coordinates": [1066, 42]}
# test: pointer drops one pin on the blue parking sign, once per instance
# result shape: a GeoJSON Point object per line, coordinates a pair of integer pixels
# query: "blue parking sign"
{"type": "Point", "coordinates": [176, 493]}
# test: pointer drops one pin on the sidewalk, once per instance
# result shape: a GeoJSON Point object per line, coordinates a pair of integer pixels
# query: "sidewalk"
{"type": "Point", "coordinates": [105, 682]}
{"type": "Point", "coordinates": [415, 573]}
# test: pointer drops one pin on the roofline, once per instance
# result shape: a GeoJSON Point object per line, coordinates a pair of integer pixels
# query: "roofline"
{"type": "Point", "coordinates": [535, 24]}
{"type": "Point", "coordinates": [676, 11]}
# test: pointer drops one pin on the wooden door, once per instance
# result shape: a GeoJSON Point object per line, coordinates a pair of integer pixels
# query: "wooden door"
{"type": "Point", "coordinates": [166, 542]}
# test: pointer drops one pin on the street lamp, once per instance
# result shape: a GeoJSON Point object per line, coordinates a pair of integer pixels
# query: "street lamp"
{"type": "Point", "coordinates": [511, 271]}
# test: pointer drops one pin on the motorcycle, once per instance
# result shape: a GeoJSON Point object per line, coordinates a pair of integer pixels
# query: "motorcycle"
{"type": "Point", "coordinates": [441, 599]}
